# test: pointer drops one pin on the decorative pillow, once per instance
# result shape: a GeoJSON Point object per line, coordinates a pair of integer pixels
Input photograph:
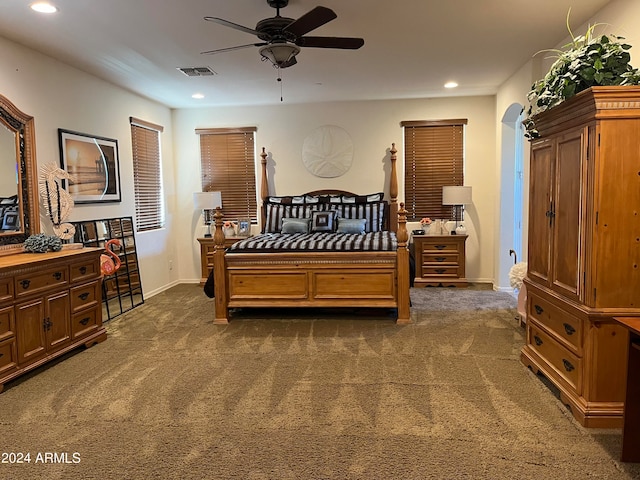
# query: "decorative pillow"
{"type": "Point", "coordinates": [351, 225]}
{"type": "Point", "coordinates": [11, 221]}
{"type": "Point", "coordinates": [323, 221]}
{"type": "Point", "coordinates": [295, 225]}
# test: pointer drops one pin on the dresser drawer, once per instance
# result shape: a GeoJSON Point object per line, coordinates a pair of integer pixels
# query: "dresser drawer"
{"type": "Point", "coordinates": [31, 283]}
{"type": "Point", "coordinates": [8, 357]}
{"type": "Point", "coordinates": [84, 323]}
{"type": "Point", "coordinates": [84, 271]}
{"type": "Point", "coordinates": [564, 363]}
{"type": "Point", "coordinates": [6, 290]}
{"type": "Point", "coordinates": [567, 327]}
{"type": "Point", "coordinates": [7, 323]}
{"type": "Point", "coordinates": [84, 296]}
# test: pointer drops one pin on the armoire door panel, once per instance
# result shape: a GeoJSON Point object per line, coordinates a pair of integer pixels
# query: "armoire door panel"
{"type": "Point", "coordinates": [539, 260]}
{"type": "Point", "coordinates": [567, 212]}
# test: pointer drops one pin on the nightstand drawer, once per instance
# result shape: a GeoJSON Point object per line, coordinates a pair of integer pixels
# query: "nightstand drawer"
{"type": "Point", "coordinates": [437, 258]}
{"type": "Point", "coordinates": [84, 323]}
{"type": "Point", "coordinates": [443, 246]}
{"type": "Point", "coordinates": [84, 296]}
{"type": "Point", "coordinates": [439, 271]}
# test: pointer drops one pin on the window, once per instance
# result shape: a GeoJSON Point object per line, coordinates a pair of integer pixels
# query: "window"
{"type": "Point", "coordinates": [147, 174]}
{"type": "Point", "coordinates": [433, 158]}
{"type": "Point", "coordinates": [228, 166]}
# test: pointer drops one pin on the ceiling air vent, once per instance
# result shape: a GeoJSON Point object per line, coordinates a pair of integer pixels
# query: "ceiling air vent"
{"type": "Point", "coordinates": [197, 71]}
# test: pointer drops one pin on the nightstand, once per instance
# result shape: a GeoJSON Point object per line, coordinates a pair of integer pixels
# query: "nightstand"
{"type": "Point", "coordinates": [440, 260]}
{"type": "Point", "coordinates": [207, 249]}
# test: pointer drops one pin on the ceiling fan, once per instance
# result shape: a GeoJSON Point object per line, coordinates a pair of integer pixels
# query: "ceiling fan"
{"type": "Point", "coordinates": [282, 37]}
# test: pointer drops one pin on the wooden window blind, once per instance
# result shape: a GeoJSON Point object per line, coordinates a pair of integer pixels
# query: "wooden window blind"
{"type": "Point", "coordinates": [228, 166]}
{"type": "Point", "coordinates": [147, 174]}
{"type": "Point", "coordinates": [433, 158]}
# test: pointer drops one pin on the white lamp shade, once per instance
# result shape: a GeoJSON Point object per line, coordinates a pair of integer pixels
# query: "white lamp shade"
{"type": "Point", "coordinates": [207, 200]}
{"type": "Point", "coordinates": [457, 195]}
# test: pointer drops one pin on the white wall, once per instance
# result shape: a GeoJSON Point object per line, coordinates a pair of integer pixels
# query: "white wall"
{"type": "Point", "coordinates": [58, 96]}
{"type": "Point", "coordinates": [373, 126]}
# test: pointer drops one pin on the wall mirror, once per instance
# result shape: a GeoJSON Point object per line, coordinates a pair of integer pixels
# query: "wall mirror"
{"type": "Point", "coordinates": [19, 212]}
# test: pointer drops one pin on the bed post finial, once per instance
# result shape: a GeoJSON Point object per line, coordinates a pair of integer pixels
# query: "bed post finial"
{"type": "Point", "coordinates": [264, 185]}
{"type": "Point", "coordinates": [393, 189]}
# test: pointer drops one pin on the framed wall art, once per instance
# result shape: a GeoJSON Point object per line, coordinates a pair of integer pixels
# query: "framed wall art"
{"type": "Point", "coordinates": [94, 164]}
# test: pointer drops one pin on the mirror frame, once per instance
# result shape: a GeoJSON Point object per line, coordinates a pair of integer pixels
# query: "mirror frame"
{"type": "Point", "coordinates": [23, 126]}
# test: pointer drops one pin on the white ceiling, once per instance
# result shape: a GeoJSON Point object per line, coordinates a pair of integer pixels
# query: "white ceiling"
{"type": "Point", "coordinates": [412, 47]}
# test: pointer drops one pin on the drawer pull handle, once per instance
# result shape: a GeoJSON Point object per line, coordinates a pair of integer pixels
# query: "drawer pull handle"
{"type": "Point", "coordinates": [440, 247]}
{"type": "Point", "coordinates": [440, 259]}
{"type": "Point", "coordinates": [85, 320]}
{"type": "Point", "coordinates": [538, 340]}
{"type": "Point", "coordinates": [539, 309]}
{"type": "Point", "coordinates": [57, 275]}
{"type": "Point", "coordinates": [83, 270]}
{"type": "Point", "coordinates": [567, 365]}
{"type": "Point", "coordinates": [1, 355]}
{"type": "Point", "coordinates": [25, 283]}
{"type": "Point", "coordinates": [83, 296]}
{"type": "Point", "coordinates": [46, 324]}
{"type": "Point", "coordinates": [569, 329]}
{"type": "Point", "coordinates": [440, 270]}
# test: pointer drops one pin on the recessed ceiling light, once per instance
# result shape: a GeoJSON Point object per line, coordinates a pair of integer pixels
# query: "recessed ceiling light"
{"type": "Point", "coordinates": [197, 95]}
{"type": "Point", "coordinates": [450, 85]}
{"type": "Point", "coordinates": [44, 7]}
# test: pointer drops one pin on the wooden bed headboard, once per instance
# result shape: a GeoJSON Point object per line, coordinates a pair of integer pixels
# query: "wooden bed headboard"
{"type": "Point", "coordinates": [391, 213]}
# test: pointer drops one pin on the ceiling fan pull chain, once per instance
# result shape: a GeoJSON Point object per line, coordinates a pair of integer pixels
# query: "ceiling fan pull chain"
{"type": "Point", "coordinates": [280, 81]}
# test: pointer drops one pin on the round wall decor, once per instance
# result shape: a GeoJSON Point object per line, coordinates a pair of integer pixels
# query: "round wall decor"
{"type": "Point", "coordinates": [327, 151]}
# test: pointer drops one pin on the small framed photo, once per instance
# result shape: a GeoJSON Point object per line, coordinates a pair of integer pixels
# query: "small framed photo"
{"type": "Point", "coordinates": [93, 162]}
{"type": "Point", "coordinates": [244, 227]}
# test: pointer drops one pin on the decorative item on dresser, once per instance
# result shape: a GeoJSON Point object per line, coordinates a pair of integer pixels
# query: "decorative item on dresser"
{"type": "Point", "coordinates": [583, 249]}
{"type": "Point", "coordinates": [440, 260]}
{"type": "Point", "coordinates": [50, 304]}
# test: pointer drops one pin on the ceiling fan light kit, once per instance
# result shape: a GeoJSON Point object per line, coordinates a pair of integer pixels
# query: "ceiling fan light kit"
{"type": "Point", "coordinates": [282, 37]}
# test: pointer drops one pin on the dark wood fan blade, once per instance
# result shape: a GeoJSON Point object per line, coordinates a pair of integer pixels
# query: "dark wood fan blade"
{"type": "Point", "coordinates": [227, 23]}
{"type": "Point", "coordinates": [310, 21]}
{"type": "Point", "coordinates": [229, 49]}
{"type": "Point", "coordinates": [350, 43]}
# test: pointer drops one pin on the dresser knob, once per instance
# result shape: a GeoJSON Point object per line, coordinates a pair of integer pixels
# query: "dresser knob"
{"type": "Point", "coordinates": [57, 275]}
{"type": "Point", "coordinates": [538, 309]}
{"type": "Point", "coordinates": [1, 355]}
{"type": "Point", "coordinates": [440, 259]}
{"type": "Point", "coordinates": [569, 329]}
{"type": "Point", "coordinates": [83, 270]}
{"type": "Point", "coordinates": [567, 365]}
{"type": "Point", "coordinates": [85, 320]}
{"type": "Point", "coordinates": [440, 270]}
{"type": "Point", "coordinates": [440, 247]}
{"type": "Point", "coordinates": [83, 296]}
{"type": "Point", "coordinates": [538, 340]}
{"type": "Point", "coordinates": [25, 283]}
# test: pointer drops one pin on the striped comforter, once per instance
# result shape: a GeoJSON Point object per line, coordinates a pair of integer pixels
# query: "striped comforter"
{"type": "Point", "coordinates": [317, 242]}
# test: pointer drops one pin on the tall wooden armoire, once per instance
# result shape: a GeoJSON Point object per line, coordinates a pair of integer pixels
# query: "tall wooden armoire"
{"type": "Point", "coordinates": [584, 249]}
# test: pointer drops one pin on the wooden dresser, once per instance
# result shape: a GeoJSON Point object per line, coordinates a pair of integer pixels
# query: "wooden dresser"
{"type": "Point", "coordinates": [207, 249]}
{"type": "Point", "coordinates": [440, 260]}
{"type": "Point", "coordinates": [584, 249]}
{"type": "Point", "coordinates": [50, 303]}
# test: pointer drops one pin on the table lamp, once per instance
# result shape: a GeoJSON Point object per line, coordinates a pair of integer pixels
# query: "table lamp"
{"type": "Point", "coordinates": [458, 196]}
{"type": "Point", "coordinates": [207, 202]}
